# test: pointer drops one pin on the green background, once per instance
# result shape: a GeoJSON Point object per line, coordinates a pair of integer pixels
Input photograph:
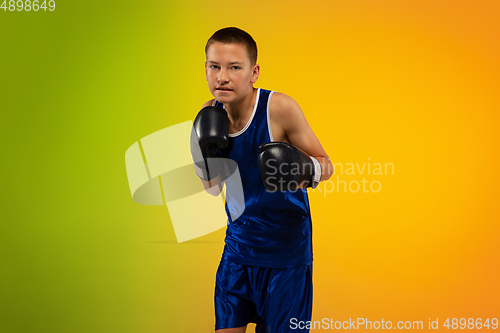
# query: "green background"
{"type": "Point", "coordinates": [79, 85]}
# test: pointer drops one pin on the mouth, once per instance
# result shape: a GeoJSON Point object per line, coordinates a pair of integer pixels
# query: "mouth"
{"type": "Point", "coordinates": [223, 89]}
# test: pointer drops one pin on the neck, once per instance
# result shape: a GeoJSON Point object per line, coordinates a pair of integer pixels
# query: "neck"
{"type": "Point", "coordinates": [242, 108]}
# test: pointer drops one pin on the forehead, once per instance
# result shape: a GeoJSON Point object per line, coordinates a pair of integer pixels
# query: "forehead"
{"type": "Point", "coordinates": [231, 52]}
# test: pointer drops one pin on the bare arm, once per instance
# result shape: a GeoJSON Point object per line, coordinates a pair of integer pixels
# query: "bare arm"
{"type": "Point", "coordinates": [289, 124]}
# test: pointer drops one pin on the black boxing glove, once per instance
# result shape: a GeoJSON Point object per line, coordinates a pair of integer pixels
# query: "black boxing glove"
{"type": "Point", "coordinates": [283, 167]}
{"type": "Point", "coordinates": [210, 133]}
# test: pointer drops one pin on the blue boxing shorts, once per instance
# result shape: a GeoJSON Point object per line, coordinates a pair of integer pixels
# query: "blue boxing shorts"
{"type": "Point", "coordinates": [273, 298]}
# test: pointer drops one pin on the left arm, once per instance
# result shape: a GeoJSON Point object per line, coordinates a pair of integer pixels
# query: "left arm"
{"type": "Point", "coordinates": [289, 124]}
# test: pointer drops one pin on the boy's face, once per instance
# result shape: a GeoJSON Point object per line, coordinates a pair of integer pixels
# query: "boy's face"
{"type": "Point", "coordinates": [229, 73]}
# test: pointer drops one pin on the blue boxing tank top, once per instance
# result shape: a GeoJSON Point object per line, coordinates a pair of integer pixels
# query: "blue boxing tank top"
{"type": "Point", "coordinates": [275, 228]}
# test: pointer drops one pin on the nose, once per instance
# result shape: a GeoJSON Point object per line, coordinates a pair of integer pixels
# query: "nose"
{"type": "Point", "coordinates": [223, 77]}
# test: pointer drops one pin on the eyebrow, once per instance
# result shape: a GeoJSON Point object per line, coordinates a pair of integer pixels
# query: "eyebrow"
{"type": "Point", "coordinates": [231, 63]}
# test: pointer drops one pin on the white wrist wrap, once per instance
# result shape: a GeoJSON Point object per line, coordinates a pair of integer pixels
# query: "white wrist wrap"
{"type": "Point", "coordinates": [317, 172]}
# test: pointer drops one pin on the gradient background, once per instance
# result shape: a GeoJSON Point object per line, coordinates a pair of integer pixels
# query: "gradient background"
{"type": "Point", "coordinates": [413, 83]}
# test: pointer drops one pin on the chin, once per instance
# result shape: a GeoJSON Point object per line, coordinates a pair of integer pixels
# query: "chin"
{"type": "Point", "coordinates": [223, 98]}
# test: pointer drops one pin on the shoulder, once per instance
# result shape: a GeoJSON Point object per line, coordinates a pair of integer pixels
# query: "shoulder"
{"type": "Point", "coordinates": [286, 114]}
{"type": "Point", "coordinates": [282, 105]}
{"type": "Point", "coordinates": [209, 103]}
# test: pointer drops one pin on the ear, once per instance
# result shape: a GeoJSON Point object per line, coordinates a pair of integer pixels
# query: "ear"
{"type": "Point", "coordinates": [206, 73]}
{"type": "Point", "coordinates": [255, 74]}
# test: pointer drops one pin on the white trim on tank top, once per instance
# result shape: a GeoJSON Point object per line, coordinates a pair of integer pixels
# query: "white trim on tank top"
{"type": "Point", "coordinates": [269, 116]}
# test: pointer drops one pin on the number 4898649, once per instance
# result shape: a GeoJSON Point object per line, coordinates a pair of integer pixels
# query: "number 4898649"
{"type": "Point", "coordinates": [27, 5]}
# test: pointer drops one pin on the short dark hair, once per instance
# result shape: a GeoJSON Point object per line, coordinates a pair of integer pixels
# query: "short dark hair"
{"type": "Point", "coordinates": [237, 36]}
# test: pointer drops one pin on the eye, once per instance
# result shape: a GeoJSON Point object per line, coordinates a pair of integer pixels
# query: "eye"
{"type": "Point", "coordinates": [235, 67]}
{"type": "Point", "coordinates": [214, 67]}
